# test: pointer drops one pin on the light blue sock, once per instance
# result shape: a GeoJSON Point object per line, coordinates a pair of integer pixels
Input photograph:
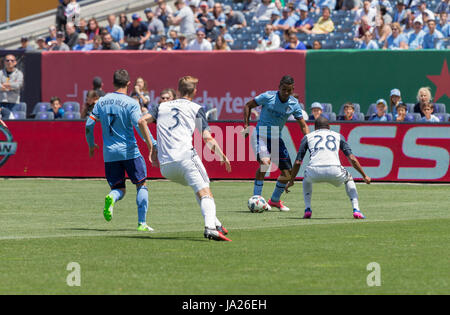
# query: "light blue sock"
{"type": "Point", "coordinates": [279, 188]}
{"type": "Point", "coordinates": [142, 203]}
{"type": "Point", "coordinates": [116, 194]}
{"type": "Point", "coordinates": [258, 187]}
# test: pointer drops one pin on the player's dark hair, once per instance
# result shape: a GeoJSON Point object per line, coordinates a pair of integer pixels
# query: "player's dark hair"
{"type": "Point", "coordinates": [287, 80]}
{"type": "Point", "coordinates": [121, 78]}
{"type": "Point", "coordinates": [321, 123]}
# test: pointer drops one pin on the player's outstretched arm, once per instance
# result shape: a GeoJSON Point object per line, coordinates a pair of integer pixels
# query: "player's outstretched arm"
{"type": "Point", "coordinates": [294, 173]}
{"type": "Point", "coordinates": [247, 113]}
{"type": "Point", "coordinates": [142, 123]}
{"type": "Point", "coordinates": [357, 166]}
{"type": "Point", "coordinates": [303, 126]}
{"type": "Point", "coordinates": [214, 147]}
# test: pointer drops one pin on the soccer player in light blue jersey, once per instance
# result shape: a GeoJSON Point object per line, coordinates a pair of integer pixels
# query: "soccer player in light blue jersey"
{"type": "Point", "coordinates": [276, 107]}
{"type": "Point", "coordinates": [118, 114]}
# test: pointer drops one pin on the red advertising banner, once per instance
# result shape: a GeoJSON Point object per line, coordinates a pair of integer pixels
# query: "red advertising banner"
{"type": "Point", "coordinates": [387, 152]}
{"type": "Point", "coordinates": [227, 79]}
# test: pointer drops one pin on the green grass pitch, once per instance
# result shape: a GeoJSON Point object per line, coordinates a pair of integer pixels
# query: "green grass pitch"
{"type": "Point", "coordinates": [46, 224]}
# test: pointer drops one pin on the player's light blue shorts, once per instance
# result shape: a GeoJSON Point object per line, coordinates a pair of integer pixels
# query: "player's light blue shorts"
{"type": "Point", "coordinates": [135, 168]}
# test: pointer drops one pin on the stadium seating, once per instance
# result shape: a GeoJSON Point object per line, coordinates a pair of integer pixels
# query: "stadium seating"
{"type": "Point", "coordinates": [71, 115]}
{"type": "Point", "coordinates": [439, 108]}
{"type": "Point", "coordinates": [41, 107]}
{"type": "Point", "coordinates": [71, 106]}
{"type": "Point", "coordinates": [327, 107]}
{"type": "Point", "coordinates": [21, 107]}
{"type": "Point", "coordinates": [45, 116]}
{"type": "Point", "coordinates": [332, 116]}
{"type": "Point", "coordinates": [372, 110]}
{"type": "Point", "coordinates": [443, 117]}
{"type": "Point", "coordinates": [414, 116]}
{"type": "Point", "coordinates": [19, 115]}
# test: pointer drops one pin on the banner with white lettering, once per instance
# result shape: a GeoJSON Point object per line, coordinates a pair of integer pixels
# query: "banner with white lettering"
{"type": "Point", "coordinates": [387, 151]}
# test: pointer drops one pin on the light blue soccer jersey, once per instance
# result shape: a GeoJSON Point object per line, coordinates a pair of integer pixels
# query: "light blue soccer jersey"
{"type": "Point", "coordinates": [117, 113]}
{"type": "Point", "coordinates": [274, 112]}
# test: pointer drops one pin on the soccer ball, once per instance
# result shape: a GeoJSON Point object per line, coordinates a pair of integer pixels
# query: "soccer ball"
{"type": "Point", "coordinates": [257, 204]}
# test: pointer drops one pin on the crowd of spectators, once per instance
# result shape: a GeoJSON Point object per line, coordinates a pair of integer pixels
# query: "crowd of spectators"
{"type": "Point", "coordinates": [198, 25]}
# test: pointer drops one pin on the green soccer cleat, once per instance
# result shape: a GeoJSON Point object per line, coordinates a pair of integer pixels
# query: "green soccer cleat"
{"type": "Point", "coordinates": [144, 227]}
{"type": "Point", "coordinates": [109, 206]}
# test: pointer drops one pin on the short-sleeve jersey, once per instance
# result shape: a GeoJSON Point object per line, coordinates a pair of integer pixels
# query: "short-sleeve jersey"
{"type": "Point", "coordinates": [118, 113]}
{"type": "Point", "coordinates": [323, 146]}
{"type": "Point", "coordinates": [275, 113]}
{"type": "Point", "coordinates": [176, 122]}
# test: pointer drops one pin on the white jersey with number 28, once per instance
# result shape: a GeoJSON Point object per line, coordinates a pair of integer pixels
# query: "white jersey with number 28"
{"type": "Point", "coordinates": [324, 147]}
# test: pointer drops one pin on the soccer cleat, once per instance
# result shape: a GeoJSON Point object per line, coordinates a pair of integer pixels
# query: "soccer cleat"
{"type": "Point", "coordinates": [222, 229]}
{"type": "Point", "coordinates": [267, 207]}
{"type": "Point", "coordinates": [357, 214]}
{"type": "Point", "coordinates": [109, 206]}
{"type": "Point", "coordinates": [215, 235]}
{"type": "Point", "coordinates": [144, 227]}
{"type": "Point", "coordinates": [278, 205]}
{"type": "Point", "coordinates": [308, 213]}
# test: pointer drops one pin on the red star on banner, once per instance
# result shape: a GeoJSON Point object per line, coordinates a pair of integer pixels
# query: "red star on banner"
{"type": "Point", "coordinates": [442, 82]}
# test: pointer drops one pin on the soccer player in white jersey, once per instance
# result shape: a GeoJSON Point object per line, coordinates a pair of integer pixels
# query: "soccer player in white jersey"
{"type": "Point", "coordinates": [176, 121]}
{"type": "Point", "coordinates": [325, 166]}
{"type": "Point", "coordinates": [118, 114]}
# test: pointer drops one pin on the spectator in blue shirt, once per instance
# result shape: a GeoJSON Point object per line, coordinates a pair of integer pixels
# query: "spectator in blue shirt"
{"type": "Point", "coordinates": [380, 115]}
{"type": "Point", "coordinates": [415, 38]}
{"type": "Point", "coordinates": [396, 40]}
{"type": "Point", "coordinates": [443, 6]}
{"type": "Point", "coordinates": [349, 113]}
{"type": "Point", "coordinates": [402, 113]}
{"type": "Point", "coordinates": [284, 23]}
{"type": "Point", "coordinates": [56, 107]}
{"type": "Point", "coordinates": [294, 43]}
{"type": "Point", "coordinates": [400, 14]}
{"type": "Point", "coordinates": [116, 31]}
{"type": "Point", "coordinates": [82, 45]}
{"type": "Point", "coordinates": [305, 22]}
{"type": "Point", "coordinates": [433, 39]}
{"type": "Point", "coordinates": [443, 26]}
{"type": "Point", "coordinates": [325, 3]}
{"type": "Point", "coordinates": [368, 42]}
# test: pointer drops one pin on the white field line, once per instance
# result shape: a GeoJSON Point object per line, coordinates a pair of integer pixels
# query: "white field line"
{"type": "Point", "coordinates": [149, 234]}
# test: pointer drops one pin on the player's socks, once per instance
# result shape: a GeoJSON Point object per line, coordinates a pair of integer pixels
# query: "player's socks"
{"type": "Point", "coordinates": [208, 207]}
{"type": "Point", "coordinates": [258, 187]}
{"type": "Point", "coordinates": [352, 193]}
{"type": "Point", "coordinates": [279, 188]}
{"type": "Point", "coordinates": [218, 223]}
{"type": "Point", "coordinates": [142, 203]}
{"type": "Point", "coordinates": [307, 193]}
{"type": "Point", "coordinates": [116, 194]}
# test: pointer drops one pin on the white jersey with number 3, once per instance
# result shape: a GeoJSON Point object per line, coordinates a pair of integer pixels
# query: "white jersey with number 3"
{"type": "Point", "coordinates": [324, 145]}
{"type": "Point", "coordinates": [176, 122]}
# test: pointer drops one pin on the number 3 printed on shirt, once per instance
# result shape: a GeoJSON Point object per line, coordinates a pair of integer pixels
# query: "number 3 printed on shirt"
{"type": "Point", "coordinates": [176, 112]}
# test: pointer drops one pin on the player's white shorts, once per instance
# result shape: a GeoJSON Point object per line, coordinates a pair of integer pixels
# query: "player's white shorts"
{"type": "Point", "coordinates": [189, 172]}
{"type": "Point", "coordinates": [333, 174]}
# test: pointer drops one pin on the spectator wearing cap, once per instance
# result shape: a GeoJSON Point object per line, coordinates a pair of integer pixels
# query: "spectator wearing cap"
{"type": "Point", "coordinates": [184, 17]}
{"type": "Point", "coordinates": [173, 34]}
{"type": "Point", "coordinates": [400, 14]}
{"type": "Point", "coordinates": [71, 35]}
{"type": "Point", "coordinates": [285, 22]}
{"type": "Point", "coordinates": [422, 9]}
{"type": "Point", "coordinates": [294, 43]}
{"type": "Point", "coordinates": [349, 112]}
{"type": "Point", "coordinates": [40, 42]}
{"type": "Point", "coordinates": [162, 12]}
{"type": "Point", "coordinates": [396, 40]}
{"type": "Point", "coordinates": [202, 16]}
{"type": "Point", "coordinates": [82, 43]}
{"type": "Point", "coordinates": [117, 33]}
{"type": "Point", "coordinates": [234, 19]}
{"type": "Point", "coordinates": [270, 40]}
{"type": "Point", "coordinates": [443, 26]}
{"type": "Point", "coordinates": [395, 97]}
{"type": "Point", "coordinates": [317, 111]}
{"type": "Point", "coordinates": [56, 107]}
{"type": "Point", "coordinates": [324, 25]}
{"type": "Point", "coordinates": [402, 111]}
{"type": "Point", "coordinates": [200, 43]}
{"type": "Point", "coordinates": [211, 31]}
{"type": "Point", "coordinates": [263, 11]}
{"type": "Point", "coordinates": [433, 39]}
{"type": "Point", "coordinates": [154, 25]}
{"type": "Point", "coordinates": [11, 83]}
{"type": "Point", "coordinates": [60, 45]}
{"type": "Point", "coordinates": [415, 38]}
{"type": "Point", "coordinates": [219, 16]}
{"type": "Point", "coordinates": [305, 23]}
{"type": "Point", "coordinates": [24, 45]}
{"type": "Point", "coordinates": [50, 40]}
{"type": "Point", "coordinates": [136, 33]}
{"type": "Point", "coordinates": [170, 44]}
{"type": "Point", "coordinates": [380, 115]}
{"type": "Point", "coordinates": [351, 5]}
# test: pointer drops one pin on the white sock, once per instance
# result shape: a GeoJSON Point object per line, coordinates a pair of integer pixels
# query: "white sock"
{"type": "Point", "coordinates": [307, 193]}
{"type": "Point", "coordinates": [218, 223]}
{"type": "Point", "coordinates": [208, 208]}
{"type": "Point", "coordinates": [352, 193]}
